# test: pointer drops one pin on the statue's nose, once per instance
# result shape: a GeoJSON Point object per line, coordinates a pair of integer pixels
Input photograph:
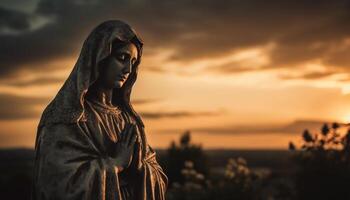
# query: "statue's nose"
{"type": "Point", "coordinates": [128, 68]}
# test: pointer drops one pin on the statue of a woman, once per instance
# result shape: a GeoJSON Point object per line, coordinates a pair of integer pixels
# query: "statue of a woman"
{"type": "Point", "coordinates": [90, 142]}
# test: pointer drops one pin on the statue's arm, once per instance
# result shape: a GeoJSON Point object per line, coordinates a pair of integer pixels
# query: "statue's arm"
{"type": "Point", "coordinates": [69, 166]}
{"type": "Point", "coordinates": [155, 181]}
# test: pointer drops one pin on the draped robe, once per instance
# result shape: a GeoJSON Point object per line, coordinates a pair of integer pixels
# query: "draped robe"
{"type": "Point", "coordinates": [75, 162]}
{"type": "Point", "coordinates": [75, 137]}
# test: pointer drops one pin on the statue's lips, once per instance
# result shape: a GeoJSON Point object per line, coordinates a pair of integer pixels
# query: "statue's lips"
{"type": "Point", "coordinates": [122, 78]}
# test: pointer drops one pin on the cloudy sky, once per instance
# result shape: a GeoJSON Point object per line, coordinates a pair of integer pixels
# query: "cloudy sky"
{"type": "Point", "coordinates": [223, 69]}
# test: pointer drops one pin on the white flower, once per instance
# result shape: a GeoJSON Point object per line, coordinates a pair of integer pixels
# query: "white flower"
{"type": "Point", "coordinates": [188, 164]}
{"type": "Point", "coordinates": [200, 176]}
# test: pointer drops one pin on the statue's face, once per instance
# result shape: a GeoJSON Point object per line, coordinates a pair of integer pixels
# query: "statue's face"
{"type": "Point", "coordinates": [118, 66]}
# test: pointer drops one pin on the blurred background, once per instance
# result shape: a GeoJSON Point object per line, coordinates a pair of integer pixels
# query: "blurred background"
{"type": "Point", "coordinates": [225, 89]}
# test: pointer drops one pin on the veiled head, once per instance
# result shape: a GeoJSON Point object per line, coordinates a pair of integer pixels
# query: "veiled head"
{"type": "Point", "coordinates": [101, 58]}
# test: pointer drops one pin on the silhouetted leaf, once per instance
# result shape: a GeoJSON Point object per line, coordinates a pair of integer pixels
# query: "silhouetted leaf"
{"type": "Point", "coordinates": [291, 146]}
{"type": "Point", "coordinates": [185, 138]}
{"type": "Point", "coordinates": [307, 136]}
{"type": "Point", "coordinates": [325, 130]}
{"type": "Point", "coordinates": [335, 125]}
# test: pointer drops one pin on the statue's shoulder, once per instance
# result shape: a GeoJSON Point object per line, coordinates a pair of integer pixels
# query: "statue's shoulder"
{"type": "Point", "coordinates": [58, 130]}
{"type": "Point", "coordinates": [59, 127]}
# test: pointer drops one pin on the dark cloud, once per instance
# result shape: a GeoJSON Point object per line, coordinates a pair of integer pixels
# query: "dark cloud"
{"type": "Point", "coordinates": [308, 76]}
{"type": "Point", "coordinates": [144, 101]}
{"type": "Point", "coordinates": [157, 115]}
{"type": "Point", "coordinates": [11, 20]}
{"type": "Point", "coordinates": [296, 127]}
{"type": "Point", "coordinates": [33, 82]}
{"type": "Point", "coordinates": [20, 107]}
{"type": "Point", "coordinates": [302, 31]}
{"type": "Point", "coordinates": [233, 67]}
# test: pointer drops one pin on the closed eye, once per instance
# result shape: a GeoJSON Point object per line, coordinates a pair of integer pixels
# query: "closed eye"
{"type": "Point", "coordinates": [122, 56]}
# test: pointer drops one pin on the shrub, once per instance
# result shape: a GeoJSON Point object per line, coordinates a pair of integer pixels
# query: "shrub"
{"type": "Point", "coordinates": [178, 154]}
{"type": "Point", "coordinates": [323, 164]}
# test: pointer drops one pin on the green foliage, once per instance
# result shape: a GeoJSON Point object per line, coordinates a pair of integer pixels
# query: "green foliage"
{"type": "Point", "coordinates": [187, 169]}
{"type": "Point", "coordinates": [237, 173]}
{"type": "Point", "coordinates": [237, 182]}
{"type": "Point", "coordinates": [323, 164]}
{"type": "Point", "coordinates": [178, 154]}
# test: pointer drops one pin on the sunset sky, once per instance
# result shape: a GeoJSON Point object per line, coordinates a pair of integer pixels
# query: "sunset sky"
{"type": "Point", "coordinates": [232, 72]}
